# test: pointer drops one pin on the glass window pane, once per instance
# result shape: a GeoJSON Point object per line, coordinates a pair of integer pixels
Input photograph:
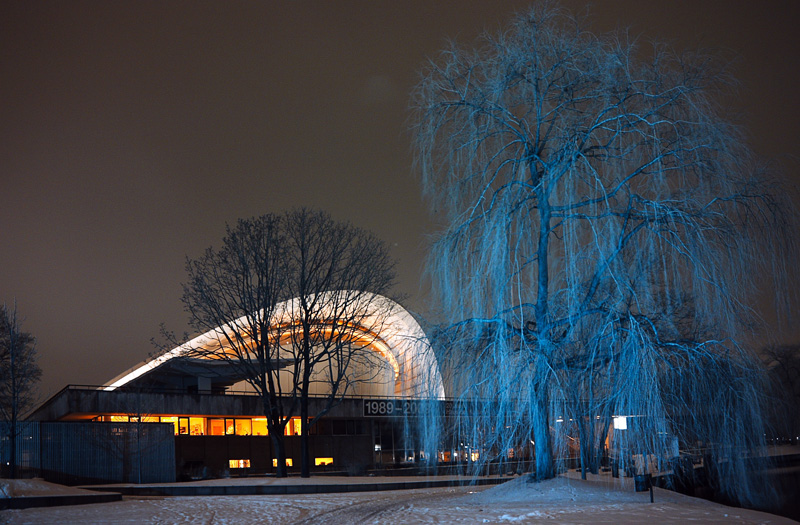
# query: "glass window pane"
{"type": "Point", "coordinates": [243, 427]}
{"type": "Point", "coordinates": [171, 419]}
{"type": "Point", "coordinates": [216, 427]}
{"type": "Point", "coordinates": [260, 426]}
{"type": "Point", "coordinates": [197, 426]}
{"type": "Point", "coordinates": [339, 427]}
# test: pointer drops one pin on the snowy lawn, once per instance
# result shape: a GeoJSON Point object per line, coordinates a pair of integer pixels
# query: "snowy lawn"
{"type": "Point", "coordinates": [562, 500]}
{"type": "Point", "coordinates": [36, 487]}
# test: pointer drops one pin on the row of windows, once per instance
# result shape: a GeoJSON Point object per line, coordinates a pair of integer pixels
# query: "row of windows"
{"type": "Point", "coordinates": [202, 426]}
{"type": "Point", "coordinates": [256, 426]}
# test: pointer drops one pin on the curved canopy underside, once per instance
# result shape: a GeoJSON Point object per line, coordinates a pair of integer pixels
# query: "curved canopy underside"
{"type": "Point", "coordinates": [392, 332]}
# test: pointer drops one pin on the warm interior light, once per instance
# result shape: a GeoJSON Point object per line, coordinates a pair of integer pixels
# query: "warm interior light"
{"type": "Point", "coordinates": [171, 419]}
{"type": "Point", "coordinates": [260, 426]}
{"type": "Point", "coordinates": [392, 330]}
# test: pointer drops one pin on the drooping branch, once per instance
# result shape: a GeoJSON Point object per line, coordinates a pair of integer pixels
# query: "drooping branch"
{"type": "Point", "coordinates": [605, 227]}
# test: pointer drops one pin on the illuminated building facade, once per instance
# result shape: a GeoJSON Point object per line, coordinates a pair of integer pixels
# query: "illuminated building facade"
{"type": "Point", "coordinates": [218, 421]}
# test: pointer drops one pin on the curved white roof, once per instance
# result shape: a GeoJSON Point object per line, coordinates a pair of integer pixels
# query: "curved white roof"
{"type": "Point", "coordinates": [394, 333]}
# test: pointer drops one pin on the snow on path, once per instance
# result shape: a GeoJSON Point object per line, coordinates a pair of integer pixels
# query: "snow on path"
{"type": "Point", "coordinates": [561, 500]}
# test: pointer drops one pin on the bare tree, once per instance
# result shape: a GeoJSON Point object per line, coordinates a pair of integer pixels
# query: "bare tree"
{"type": "Point", "coordinates": [133, 404]}
{"type": "Point", "coordinates": [233, 293]}
{"type": "Point", "coordinates": [339, 275]}
{"type": "Point", "coordinates": [19, 374]}
{"type": "Point", "coordinates": [295, 305]}
{"type": "Point", "coordinates": [591, 189]}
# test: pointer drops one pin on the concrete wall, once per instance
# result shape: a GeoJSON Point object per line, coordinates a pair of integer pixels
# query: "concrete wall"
{"type": "Point", "coordinates": [208, 456]}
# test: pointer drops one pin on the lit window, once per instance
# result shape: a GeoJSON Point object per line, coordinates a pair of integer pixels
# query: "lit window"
{"type": "Point", "coordinates": [216, 427]}
{"type": "Point", "coordinates": [144, 419]}
{"type": "Point", "coordinates": [239, 463]}
{"type": "Point", "coordinates": [260, 426]}
{"type": "Point", "coordinates": [243, 427]}
{"type": "Point", "coordinates": [197, 426]}
{"type": "Point", "coordinates": [288, 462]}
{"type": "Point", "coordinates": [171, 419]}
{"type": "Point", "coordinates": [318, 462]}
{"type": "Point", "coordinates": [294, 427]}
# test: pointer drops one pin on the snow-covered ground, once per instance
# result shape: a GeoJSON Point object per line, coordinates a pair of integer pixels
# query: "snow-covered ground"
{"type": "Point", "coordinates": [10, 488]}
{"type": "Point", "coordinates": [562, 500]}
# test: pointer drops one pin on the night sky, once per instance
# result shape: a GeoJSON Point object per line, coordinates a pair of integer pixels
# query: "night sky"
{"type": "Point", "coordinates": [131, 132]}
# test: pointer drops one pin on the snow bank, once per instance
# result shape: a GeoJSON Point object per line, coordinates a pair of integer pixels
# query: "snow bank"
{"type": "Point", "coordinates": [14, 488]}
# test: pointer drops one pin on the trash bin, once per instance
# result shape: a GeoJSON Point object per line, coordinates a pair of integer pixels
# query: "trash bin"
{"type": "Point", "coordinates": [642, 482]}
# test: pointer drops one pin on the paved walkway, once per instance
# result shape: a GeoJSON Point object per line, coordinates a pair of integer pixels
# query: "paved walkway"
{"type": "Point", "coordinates": [293, 485]}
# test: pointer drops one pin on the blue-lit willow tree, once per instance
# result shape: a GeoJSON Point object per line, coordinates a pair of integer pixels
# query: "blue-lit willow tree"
{"type": "Point", "coordinates": [604, 230]}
